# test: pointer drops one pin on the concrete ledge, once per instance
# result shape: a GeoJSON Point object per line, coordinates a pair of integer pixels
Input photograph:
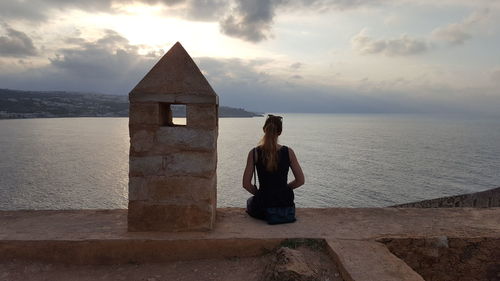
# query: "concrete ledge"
{"type": "Point", "coordinates": [369, 261]}
{"type": "Point", "coordinates": [335, 223]}
{"type": "Point", "coordinates": [121, 251]}
{"type": "Point", "coordinates": [101, 236]}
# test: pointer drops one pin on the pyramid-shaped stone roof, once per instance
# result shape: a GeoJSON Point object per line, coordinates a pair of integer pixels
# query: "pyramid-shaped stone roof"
{"type": "Point", "coordinates": [174, 78]}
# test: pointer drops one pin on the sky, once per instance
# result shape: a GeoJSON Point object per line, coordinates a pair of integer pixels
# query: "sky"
{"type": "Point", "coordinates": [326, 56]}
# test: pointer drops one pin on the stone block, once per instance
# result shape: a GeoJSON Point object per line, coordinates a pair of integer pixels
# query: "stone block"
{"type": "Point", "coordinates": [146, 216]}
{"type": "Point", "coordinates": [185, 190]}
{"type": "Point", "coordinates": [144, 113]}
{"type": "Point", "coordinates": [190, 163]}
{"type": "Point", "coordinates": [145, 166]}
{"type": "Point", "coordinates": [141, 140]}
{"type": "Point", "coordinates": [369, 261]}
{"type": "Point", "coordinates": [192, 98]}
{"type": "Point", "coordinates": [137, 188]}
{"type": "Point", "coordinates": [195, 98]}
{"type": "Point", "coordinates": [157, 150]}
{"type": "Point", "coordinates": [289, 264]}
{"type": "Point", "coordinates": [483, 199]}
{"type": "Point", "coordinates": [202, 116]}
{"type": "Point", "coordinates": [214, 194]}
{"type": "Point", "coordinates": [134, 128]}
{"type": "Point", "coordinates": [186, 138]}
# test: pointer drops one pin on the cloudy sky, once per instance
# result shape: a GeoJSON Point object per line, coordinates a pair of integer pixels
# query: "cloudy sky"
{"type": "Point", "coordinates": [269, 55]}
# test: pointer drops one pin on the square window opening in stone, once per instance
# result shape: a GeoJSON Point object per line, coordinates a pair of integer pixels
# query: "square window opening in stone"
{"type": "Point", "coordinates": [173, 114]}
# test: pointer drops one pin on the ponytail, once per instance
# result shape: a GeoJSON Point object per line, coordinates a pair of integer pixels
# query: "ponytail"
{"type": "Point", "coordinates": [269, 142]}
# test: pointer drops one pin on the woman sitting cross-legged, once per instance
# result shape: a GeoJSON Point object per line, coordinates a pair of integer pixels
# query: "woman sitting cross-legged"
{"type": "Point", "coordinates": [273, 201]}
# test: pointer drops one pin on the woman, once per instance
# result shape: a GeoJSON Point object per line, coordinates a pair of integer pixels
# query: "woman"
{"type": "Point", "coordinates": [272, 161]}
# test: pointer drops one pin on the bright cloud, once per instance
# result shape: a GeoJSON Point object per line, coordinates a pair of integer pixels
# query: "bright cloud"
{"type": "Point", "coordinates": [400, 46]}
{"type": "Point", "coordinates": [458, 33]}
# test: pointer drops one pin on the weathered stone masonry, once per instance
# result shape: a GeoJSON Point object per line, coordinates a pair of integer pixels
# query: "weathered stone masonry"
{"type": "Point", "coordinates": [483, 199]}
{"type": "Point", "coordinates": [172, 176]}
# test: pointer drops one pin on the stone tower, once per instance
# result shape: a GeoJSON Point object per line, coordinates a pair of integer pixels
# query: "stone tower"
{"type": "Point", "coordinates": [172, 176]}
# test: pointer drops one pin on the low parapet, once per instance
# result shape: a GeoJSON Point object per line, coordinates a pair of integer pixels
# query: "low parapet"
{"type": "Point", "coordinates": [482, 199]}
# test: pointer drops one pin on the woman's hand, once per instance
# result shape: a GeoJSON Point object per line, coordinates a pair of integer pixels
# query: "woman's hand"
{"type": "Point", "coordinates": [296, 170]}
{"type": "Point", "coordinates": [253, 190]}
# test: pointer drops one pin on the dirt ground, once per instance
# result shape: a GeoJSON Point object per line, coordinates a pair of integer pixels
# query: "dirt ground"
{"type": "Point", "coordinates": [450, 259]}
{"type": "Point", "coordinates": [321, 263]}
{"type": "Point", "coordinates": [228, 269]}
{"type": "Point", "coordinates": [241, 269]}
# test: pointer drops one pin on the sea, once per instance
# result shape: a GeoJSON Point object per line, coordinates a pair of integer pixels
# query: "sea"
{"type": "Point", "coordinates": [349, 160]}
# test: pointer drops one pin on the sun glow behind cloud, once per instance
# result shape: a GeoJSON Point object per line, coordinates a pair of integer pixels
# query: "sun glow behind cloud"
{"type": "Point", "coordinates": [147, 27]}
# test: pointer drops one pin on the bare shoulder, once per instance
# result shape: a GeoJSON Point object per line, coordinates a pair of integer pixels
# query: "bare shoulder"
{"type": "Point", "coordinates": [291, 153]}
{"type": "Point", "coordinates": [252, 154]}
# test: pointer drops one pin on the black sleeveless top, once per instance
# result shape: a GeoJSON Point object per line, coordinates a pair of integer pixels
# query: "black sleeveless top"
{"type": "Point", "coordinates": [273, 186]}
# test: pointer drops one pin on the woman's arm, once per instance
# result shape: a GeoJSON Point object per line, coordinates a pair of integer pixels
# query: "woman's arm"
{"type": "Point", "coordinates": [247, 175]}
{"type": "Point", "coordinates": [296, 170]}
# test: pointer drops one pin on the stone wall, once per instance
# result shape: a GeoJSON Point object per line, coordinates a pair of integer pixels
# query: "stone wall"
{"type": "Point", "coordinates": [172, 178]}
{"type": "Point", "coordinates": [482, 199]}
{"type": "Point", "coordinates": [172, 167]}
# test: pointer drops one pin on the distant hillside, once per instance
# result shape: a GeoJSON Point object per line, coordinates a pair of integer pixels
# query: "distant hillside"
{"type": "Point", "coordinates": [38, 104]}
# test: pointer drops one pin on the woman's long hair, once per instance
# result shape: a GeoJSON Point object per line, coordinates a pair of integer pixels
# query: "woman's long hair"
{"type": "Point", "coordinates": [269, 142]}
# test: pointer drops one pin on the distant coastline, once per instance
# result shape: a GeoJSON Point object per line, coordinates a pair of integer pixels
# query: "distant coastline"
{"type": "Point", "coordinates": [16, 104]}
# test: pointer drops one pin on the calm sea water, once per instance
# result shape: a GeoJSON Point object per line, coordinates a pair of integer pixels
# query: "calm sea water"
{"type": "Point", "coordinates": [348, 160]}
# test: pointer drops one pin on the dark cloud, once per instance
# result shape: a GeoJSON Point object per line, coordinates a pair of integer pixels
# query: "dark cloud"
{"type": "Point", "coordinates": [237, 71]}
{"type": "Point", "coordinates": [205, 10]}
{"type": "Point", "coordinates": [250, 20]}
{"type": "Point", "coordinates": [40, 10]}
{"type": "Point", "coordinates": [103, 59]}
{"type": "Point", "coordinates": [109, 65]}
{"type": "Point", "coordinates": [20, 10]}
{"type": "Point", "coordinates": [15, 43]}
{"type": "Point", "coordinates": [402, 46]}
